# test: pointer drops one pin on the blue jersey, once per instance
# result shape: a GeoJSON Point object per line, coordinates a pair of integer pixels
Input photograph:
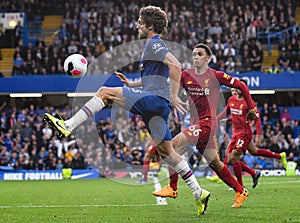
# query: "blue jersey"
{"type": "Point", "coordinates": [153, 100]}
{"type": "Point", "coordinates": [155, 75]}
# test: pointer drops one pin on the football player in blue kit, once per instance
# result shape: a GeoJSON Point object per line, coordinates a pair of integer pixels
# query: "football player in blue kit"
{"type": "Point", "coordinates": [152, 97]}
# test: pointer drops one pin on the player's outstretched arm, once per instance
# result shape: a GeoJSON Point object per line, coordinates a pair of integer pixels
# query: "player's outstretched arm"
{"type": "Point", "coordinates": [125, 81]}
{"type": "Point", "coordinates": [175, 76]}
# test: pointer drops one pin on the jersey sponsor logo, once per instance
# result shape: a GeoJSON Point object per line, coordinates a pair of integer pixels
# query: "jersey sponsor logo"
{"type": "Point", "coordinates": [198, 91]}
{"type": "Point", "coordinates": [189, 82]}
{"type": "Point", "coordinates": [206, 82]}
{"type": "Point", "coordinates": [156, 46]}
{"type": "Point", "coordinates": [226, 76]}
{"type": "Point", "coordinates": [235, 111]}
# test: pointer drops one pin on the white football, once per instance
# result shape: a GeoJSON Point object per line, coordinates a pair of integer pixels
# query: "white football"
{"type": "Point", "coordinates": [76, 65]}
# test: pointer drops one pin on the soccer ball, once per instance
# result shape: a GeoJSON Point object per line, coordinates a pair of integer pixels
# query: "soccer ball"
{"type": "Point", "coordinates": [75, 65]}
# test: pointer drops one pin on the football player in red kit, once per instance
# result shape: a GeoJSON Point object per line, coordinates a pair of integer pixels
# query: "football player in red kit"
{"type": "Point", "coordinates": [242, 137]}
{"type": "Point", "coordinates": [202, 84]}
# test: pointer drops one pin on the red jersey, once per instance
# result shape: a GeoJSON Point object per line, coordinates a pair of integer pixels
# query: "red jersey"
{"type": "Point", "coordinates": [204, 89]}
{"type": "Point", "coordinates": [238, 109]}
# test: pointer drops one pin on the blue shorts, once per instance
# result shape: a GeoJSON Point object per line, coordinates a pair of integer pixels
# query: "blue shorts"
{"type": "Point", "coordinates": [153, 109]}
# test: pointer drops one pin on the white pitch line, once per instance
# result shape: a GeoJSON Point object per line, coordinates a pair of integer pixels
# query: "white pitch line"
{"type": "Point", "coordinates": [157, 186]}
{"type": "Point", "coordinates": [282, 182]}
{"type": "Point", "coordinates": [262, 183]}
{"type": "Point", "coordinates": [78, 206]}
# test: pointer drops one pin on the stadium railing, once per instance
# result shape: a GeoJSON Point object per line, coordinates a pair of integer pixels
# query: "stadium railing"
{"type": "Point", "coordinates": [276, 37]}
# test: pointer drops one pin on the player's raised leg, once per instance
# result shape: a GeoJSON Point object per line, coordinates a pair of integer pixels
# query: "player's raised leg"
{"type": "Point", "coordinates": [94, 105]}
{"type": "Point", "coordinates": [267, 153]}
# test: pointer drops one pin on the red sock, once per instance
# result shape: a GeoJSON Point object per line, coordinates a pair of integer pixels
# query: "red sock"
{"type": "Point", "coordinates": [227, 177]}
{"type": "Point", "coordinates": [267, 153]}
{"type": "Point", "coordinates": [247, 168]}
{"type": "Point", "coordinates": [173, 178]}
{"type": "Point", "coordinates": [238, 172]}
{"type": "Point", "coordinates": [146, 168]}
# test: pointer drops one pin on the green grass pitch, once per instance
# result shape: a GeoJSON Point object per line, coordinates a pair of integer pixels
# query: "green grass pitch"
{"type": "Point", "coordinates": [276, 199]}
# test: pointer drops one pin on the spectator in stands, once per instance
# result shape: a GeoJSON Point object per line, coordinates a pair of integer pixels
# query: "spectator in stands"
{"type": "Point", "coordinates": [296, 128]}
{"type": "Point", "coordinates": [282, 143]}
{"type": "Point", "coordinates": [78, 161]}
{"type": "Point", "coordinates": [258, 23]}
{"type": "Point", "coordinates": [40, 165]}
{"type": "Point", "coordinates": [218, 45]}
{"type": "Point", "coordinates": [31, 165]}
{"type": "Point", "coordinates": [296, 66]}
{"type": "Point", "coordinates": [4, 156]}
{"type": "Point", "coordinates": [293, 149]}
{"type": "Point", "coordinates": [283, 45]}
{"type": "Point", "coordinates": [251, 31]}
{"type": "Point", "coordinates": [18, 31]}
{"type": "Point", "coordinates": [239, 68]}
{"type": "Point", "coordinates": [59, 164]}
{"type": "Point", "coordinates": [265, 111]}
{"type": "Point", "coordinates": [229, 50]}
{"type": "Point", "coordinates": [247, 64]}
{"type": "Point", "coordinates": [285, 115]}
{"type": "Point", "coordinates": [256, 60]}
{"type": "Point", "coordinates": [287, 130]}
{"type": "Point", "coordinates": [274, 114]}
{"type": "Point", "coordinates": [230, 64]}
{"type": "Point", "coordinates": [8, 141]}
{"type": "Point", "coordinates": [260, 162]}
{"type": "Point", "coordinates": [269, 163]}
{"type": "Point", "coordinates": [109, 135]}
{"type": "Point", "coordinates": [293, 48]}
{"type": "Point", "coordinates": [2, 36]}
{"type": "Point", "coordinates": [18, 62]}
{"type": "Point", "coordinates": [273, 69]}
{"type": "Point", "coordinates": [47, 133]}
{"type": "Point", "coordinates": [273, 146]}
{"type": "Point", "coordinates": [283, 59]}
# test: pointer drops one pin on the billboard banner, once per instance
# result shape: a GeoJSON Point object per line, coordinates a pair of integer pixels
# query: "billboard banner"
{"type": "Point", "coordinates": [62, 83]}
{"type": "Point", "coordinates": [11, 19]}
{"type": "Point", "coordinates": [199, 172]}
{"type": "Point", "coordinates": [46, 174]}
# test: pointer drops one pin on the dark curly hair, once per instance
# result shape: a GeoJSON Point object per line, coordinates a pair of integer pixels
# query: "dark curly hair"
{"type": "Point", "coordinates": [205, 47]}
{"type": "Point", "coordinates": [154, 16]}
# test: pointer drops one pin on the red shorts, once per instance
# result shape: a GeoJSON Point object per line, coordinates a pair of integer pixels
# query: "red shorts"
{"type": "Point", "coordinates": [202, 135]}
{"type": "Point", "coordinates": [239, 142]}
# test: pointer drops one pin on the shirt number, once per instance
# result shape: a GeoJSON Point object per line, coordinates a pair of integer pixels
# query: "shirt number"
{"type": "Point", "coordinates": [194, 130]}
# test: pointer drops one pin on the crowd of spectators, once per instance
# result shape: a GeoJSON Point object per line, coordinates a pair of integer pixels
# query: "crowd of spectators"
{"type": "Point", "coordinates": [95, 28]}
